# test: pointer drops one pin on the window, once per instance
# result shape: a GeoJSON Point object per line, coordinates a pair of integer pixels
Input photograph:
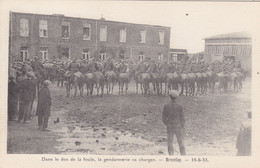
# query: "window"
{"type": "Point", "coordinates": [160, 57]}
{"type": "Point", "coordinates": [43, 28]}
{"type": "Point", "coordinates": [102, 55]}
{"type": "Point", "coordinates": [103, 33]}
{"type": "Point", "coordinates": [44, 53]}
{"type": "Point", "coordinates": [143, 36]}
{"type": "Point", "coordinates": [86, 54]}
{"type": "Point", "coordinates": [86, 31]}
{"type": "Point", "coordinates": [24, 54]}
{"type": "Point", "coordinates": [65, 53]}
{"type": "Point", "coordinates": [161, 37]}
{"type": "Point", "coordinates": [141, 56]}
{"type": "Point", "coordinates": [24, 28]}
{"type": "Point", "coordinates": [123, 35]}
{"type": "Point", "coordinates": [65, 30]}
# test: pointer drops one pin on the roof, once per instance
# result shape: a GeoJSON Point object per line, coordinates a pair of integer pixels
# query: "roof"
{"type": "Point", "coordinates": [235, 35]}
{"type": "Point", "coordinates": [100, 20]}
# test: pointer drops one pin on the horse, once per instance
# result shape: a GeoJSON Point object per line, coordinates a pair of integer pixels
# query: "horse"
{"type": "Point", "coordinates": [236, 79]}
{"type": "Point", "coordinates": [76, 79]}
{"type": "Point", "coordinates": [156, 82]}
{"type": "Point", "coordinates": [123, 80]}
{"type": "Point", "coordinates": [191, 83]}
{"type": "Point", "coordinates": [143, 79]}
{"type": "Point", "coordinates": [90, 81]}
{"type": "Point", "coordinates": [204, 82]}
{"type": "Point", "coordinates": [184, 83]}
{"type": "Point", "coordinates": [110, 78]}
{"type": "Point", "coordinates": [172, 81]}
{"type": "Point", "coordinates": [99, 81]}
{"type": "Point", "coordinates": [223, 81]}
{"type": "Point", "coordinates": [211, 80]}
{"type": "Point", "coordinates": [198, 81]}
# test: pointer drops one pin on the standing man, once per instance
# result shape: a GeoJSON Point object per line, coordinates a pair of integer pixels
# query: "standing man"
{"type": "Point", "coordinates": [12, 99]}
{"type": "Point", "coordinates": [174, 120]}
{"type": "Point", "coordinates": [44, 106]}
{"type": "Point", "coordinates": [24, 99]}
{"type": "Point", "coordinates": [243, 143]}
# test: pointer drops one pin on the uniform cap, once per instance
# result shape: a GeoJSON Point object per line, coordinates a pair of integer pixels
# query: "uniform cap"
{"type": "Point", "coordinates": [173, 94]}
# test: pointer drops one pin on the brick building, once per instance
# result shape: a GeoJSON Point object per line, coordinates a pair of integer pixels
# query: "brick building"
{"type": "Point", "coordinates": [236, 46]}
{"type": "Point", "coordinates": [62, 37]}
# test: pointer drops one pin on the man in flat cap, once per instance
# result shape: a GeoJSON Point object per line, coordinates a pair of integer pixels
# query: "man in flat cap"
{"type": "Point", "coordinates": [174, 120]}
{"type": "Point", "coordinates": [44, 106]}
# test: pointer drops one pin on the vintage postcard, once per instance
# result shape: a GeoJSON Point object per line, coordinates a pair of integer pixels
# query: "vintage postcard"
{"type": "Point", "coordinates": [129, 83]}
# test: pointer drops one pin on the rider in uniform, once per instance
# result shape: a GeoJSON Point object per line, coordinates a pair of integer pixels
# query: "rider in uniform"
{"type": "Point", "coordinates": [73, 67]}
{"type": "Point", "coordinates": [122, 67]}
{"type": "Point", "coordinates": [108, 65]}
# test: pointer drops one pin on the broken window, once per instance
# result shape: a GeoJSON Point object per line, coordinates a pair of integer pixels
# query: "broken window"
{"type": "Point", "coordinates": [86, 31]}
{"type": "Point", "coordinates": [65, 30]}
{"type": "Point", "coordinates": [161, 37]}
{"type": "Point", "coordinates": [43, 28]}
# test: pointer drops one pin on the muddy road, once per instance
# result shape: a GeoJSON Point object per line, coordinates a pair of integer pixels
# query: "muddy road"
{"type": "Point", "coordinates": [131, 124]}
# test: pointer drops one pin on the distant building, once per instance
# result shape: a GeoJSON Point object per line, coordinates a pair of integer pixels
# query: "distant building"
{"type": "Point", "coordinates": [177, 55]}
{"type": "Point", "coordinates": [62, 37]}
{"type": "Point", "coordinates": [236, 46]}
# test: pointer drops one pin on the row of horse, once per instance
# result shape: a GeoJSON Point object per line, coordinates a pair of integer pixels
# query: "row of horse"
{"type": "Point", "coordinates": [188, 83]}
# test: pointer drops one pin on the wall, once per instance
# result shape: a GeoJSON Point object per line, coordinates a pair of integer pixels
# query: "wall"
{"type": "Point", "coordinates": [112, 46]}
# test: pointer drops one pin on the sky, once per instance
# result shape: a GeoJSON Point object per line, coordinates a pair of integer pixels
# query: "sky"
{"type": "Point", "coordinates": [190, 22]}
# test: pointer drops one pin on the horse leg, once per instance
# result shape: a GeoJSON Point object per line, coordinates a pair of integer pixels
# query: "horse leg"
{"type": "Point", "coordinates": [165, 88]}
{"type": "Point", "coordinates": [136, 88]}
{"type": "Point", "coordinates": [126, 88]}
{"type": "Point", "coordinates": [107, 86]}
{"type": "Point", "coordinates": [97, 85]}
{"type": "Point", "coordinates": [119, 86]}
{"type": "Point", "coordinates": [76, 89]}
{"type": "Point", "coordinates": [141, 85]}
{"type": "Point", "coordinates": [122, 88]}
{"type": "Point", "coordinates": [112, 87]}
{"type": "Point", "coordinates": [102, 89]}
{"type": "Point", "coordinates": [91, 88]}
{"type": "Point", "coordinates": [157, 88]}
{"type": "Point", "coordinates": [161, 87]}
{"type": "Point", "coordinates": [154, 88]}
{"type": "Point", "coordinates": [181, 89]}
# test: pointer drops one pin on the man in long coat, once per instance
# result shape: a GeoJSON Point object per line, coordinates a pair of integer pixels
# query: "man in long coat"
{"type": "Point", "coordinates": [174, 120]}
{"type": "Point", "coordinates": [12, 99]}
{"type": "Point", "coordinates": [44, 106]}
{"type": "Point", "coordinates": [24, 89]}
{"type": "Point", "coordinates": [243, 143]}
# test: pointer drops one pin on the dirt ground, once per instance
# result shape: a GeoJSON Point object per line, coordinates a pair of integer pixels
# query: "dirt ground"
{"type": "Point", "coordinates": [131, 124]}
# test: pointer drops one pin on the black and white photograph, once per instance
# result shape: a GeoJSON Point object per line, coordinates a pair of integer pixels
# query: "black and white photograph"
{"type": "Point", "coordinates": [129, 78]}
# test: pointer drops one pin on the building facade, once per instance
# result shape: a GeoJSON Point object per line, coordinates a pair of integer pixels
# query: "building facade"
{"type": "Point", "coordinates": [61, 37]}
{"type": "Point", "coordinates": [236, 46]}
{"type": "Point", "coordinates": [177, 55]}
